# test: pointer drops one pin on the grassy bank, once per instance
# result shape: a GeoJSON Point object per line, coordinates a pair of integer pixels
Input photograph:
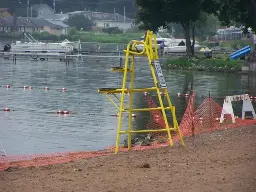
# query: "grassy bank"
{"type": "Point", "coordinates": [74, 35]}
{"type": "Point", "coordinates": [204, 64]}
{"type": "Point", "coordinates": [105, 38]}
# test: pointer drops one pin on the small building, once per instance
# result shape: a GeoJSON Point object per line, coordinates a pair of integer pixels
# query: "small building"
{"type": "Point", "coordinates": [231, 33]}
{"type": "Point", "coordinates": [5, 12]}
{"type": "Point", "coordinates": [57, 28]}
{"type": "Point", "coordinates": [16, 24]}
{"type": "Point", "coordinates": [23, 24]}
{"type": "Point", "coordinates": [41, 10]}
{"type": "Point", "coordinates": [106, 20]}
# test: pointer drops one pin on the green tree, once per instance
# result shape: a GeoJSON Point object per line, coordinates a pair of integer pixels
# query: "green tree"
{"type": "Point", "coordinates": [80, 22]}
{"type": "Point", "coordinates": [241, 11]}
{"type": "Point", "coordinates": [175, 30]}
{"type": "Point", "coordinates": [207, 25]}
{"type": "Point", "coordinates": [152, 14]}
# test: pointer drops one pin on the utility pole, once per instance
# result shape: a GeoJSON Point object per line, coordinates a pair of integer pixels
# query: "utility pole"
{"type": "Point", "coordinates": [54, 6]}
{"type": "Point", "coordinates": [124, 15]}
{"type": "Point", "coordinates": [115, 15]}
{"type": "Point", "coordinates": [27, 9]}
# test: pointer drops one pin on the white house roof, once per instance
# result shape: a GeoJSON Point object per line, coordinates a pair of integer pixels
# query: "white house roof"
{"type": "Point", "coordinates": [58, 23]}
{"type": "Point", "coordinates": [75, 13]}
{"type": "Point", "coordinates": [106, 16]}
{"type": "Point", "coordinates": [31, 22]}
{"type": "Point", "coordinates": [36, 7]}
{"type": "Point", "coordinates": [59, 17]}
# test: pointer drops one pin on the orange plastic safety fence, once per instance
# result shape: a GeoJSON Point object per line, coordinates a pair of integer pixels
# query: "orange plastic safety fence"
{"type": "Point", "coordinates": [187, 120]}
{"type": "Point", "coordinates": [205, 118]}
{"type": "Point", "coordinates": [156, 120]}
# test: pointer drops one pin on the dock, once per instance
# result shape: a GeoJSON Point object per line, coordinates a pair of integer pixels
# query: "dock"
{"type": "Point", "coordinates": [62, 57]}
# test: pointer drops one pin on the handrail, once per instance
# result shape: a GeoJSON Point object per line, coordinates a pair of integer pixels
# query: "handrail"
{"type": "Point", "coordinates": [147, 46]}
{"type": "Point", "coordinates": [30, 37]}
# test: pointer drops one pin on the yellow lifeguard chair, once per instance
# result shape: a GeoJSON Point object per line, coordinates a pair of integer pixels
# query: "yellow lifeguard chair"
{"type": "Point", "coordinates": [148, 49]}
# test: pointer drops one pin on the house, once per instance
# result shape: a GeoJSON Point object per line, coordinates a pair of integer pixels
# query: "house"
{"type": "Point", "coordinates": [16, 24]}
{"type": "Point", "coordinates": [5, 12]}
{"type": "Point", "coordinates": [231, 33]}
{"type": "Point", "coordinates": [58, 27]}
{"type": "Point", "coordinates": [41, 10]}
{"type": "Point", "coordinates": [106, 20]}
{"type": "Point", "coordinates": [59, 17]}
{"type": "Point", "coordinates": [22, 24]}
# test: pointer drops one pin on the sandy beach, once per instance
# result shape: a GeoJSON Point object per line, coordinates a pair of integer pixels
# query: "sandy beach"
{"type": "Point", "coordinates": [218, 161]}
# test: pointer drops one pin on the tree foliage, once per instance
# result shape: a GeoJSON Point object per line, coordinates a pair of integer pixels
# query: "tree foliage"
{"type": "Point", "coordinates": [155, 13]}
{"type": "Point", "coordinates": [241, 11]}
{"type": "Point", "coordinates": [80, 22]}
{"type": "Point", "coordinates": [205, 26]}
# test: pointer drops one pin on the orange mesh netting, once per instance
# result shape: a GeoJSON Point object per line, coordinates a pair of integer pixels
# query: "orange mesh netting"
{"type": "Point", "coordinates": [207, 118]}
{"type": "Point", "coordinates": [156, 120]}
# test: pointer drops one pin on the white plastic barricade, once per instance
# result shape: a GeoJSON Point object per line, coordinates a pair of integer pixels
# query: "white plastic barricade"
{"type": "Point", "coordinates": [228, 109]}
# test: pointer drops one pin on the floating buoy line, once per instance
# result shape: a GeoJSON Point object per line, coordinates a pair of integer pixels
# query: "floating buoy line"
{"type": "Point", "coordinates": [63, 89]}
{"type": "Point", "coordinates": [67, 112]}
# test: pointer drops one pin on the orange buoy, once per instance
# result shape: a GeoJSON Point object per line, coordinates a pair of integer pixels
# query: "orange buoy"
{"type": "Point", "coordinates": [27, 87]}
{"type": "Point", "coordinates": [65, 112]}
{"type": "Point", "coordinates": [7, 86]}
{"type": "Point", "coordinates": [7, 109]}
{"type": "Point", "coordinates": [59, 112]}
{"type": "Point", "coordinates": [46, 88]}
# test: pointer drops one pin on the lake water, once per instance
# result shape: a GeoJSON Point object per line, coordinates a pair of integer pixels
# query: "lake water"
{"type": "Point", "coordinates": [33, 127]}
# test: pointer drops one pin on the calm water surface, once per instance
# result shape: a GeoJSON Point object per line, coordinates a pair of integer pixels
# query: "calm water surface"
{"type": "Point", "coordinates": [33, 127]}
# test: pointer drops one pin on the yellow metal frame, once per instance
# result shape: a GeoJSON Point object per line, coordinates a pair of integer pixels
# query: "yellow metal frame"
{"type": "Point", "coordinates": [151, 52]}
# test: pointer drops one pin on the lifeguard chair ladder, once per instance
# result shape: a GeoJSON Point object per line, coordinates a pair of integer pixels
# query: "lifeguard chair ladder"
{"type": "Point", "coordinates": [149, 51]}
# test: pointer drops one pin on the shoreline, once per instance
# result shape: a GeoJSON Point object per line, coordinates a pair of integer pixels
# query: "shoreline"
{"type": "Point", "coordinates": [220, 160]}
{"type": "Point", "coordinates": [24, 161]}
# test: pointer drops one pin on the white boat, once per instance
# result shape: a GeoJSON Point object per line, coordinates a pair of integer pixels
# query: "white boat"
{"type": "Point", "coordinates": [35, 46]}
{"type": "Point", "coordinates": [40, 47]}
{"type": "Point", "coordinates": [171, 45]}
{"type": "Point", "coordinates": [175, 46]}
{"type": "Point", "coordinates": [159, 40]}
{"type": "Point", "coordinates": [76, 45]}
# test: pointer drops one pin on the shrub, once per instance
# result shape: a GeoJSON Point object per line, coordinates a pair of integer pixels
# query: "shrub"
{"type": "Point", "coordinates": [112, 30]}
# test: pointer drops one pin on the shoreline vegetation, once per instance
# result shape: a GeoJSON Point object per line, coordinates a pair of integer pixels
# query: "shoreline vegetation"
{"type": "Point", "coordinates": [83, 36]}
{"type": "Point", "coordinates": [205, 64]}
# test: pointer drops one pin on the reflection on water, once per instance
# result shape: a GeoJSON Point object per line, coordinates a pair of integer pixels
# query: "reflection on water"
{"type": "Point", "coordinates": [33, 127]}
